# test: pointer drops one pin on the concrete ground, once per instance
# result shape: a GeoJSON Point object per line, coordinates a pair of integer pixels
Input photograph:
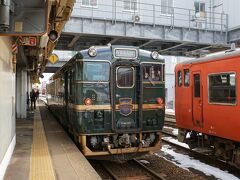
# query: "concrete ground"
{"type": "Point", "coordinates": [66, 159]}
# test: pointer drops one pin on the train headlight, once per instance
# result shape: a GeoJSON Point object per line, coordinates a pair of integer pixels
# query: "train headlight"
{"type": "Point", "coordinates": [160, 101]}
{"type": "Point", "coordinates": [155, 55]}
{"type": "Point", "coordinates": [88, 101]}
{"type": "Point", "coordinates": [92, 52]}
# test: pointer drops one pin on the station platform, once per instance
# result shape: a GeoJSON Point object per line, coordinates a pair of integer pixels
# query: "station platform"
{"type": "Point", "coordinates": [45, 152]}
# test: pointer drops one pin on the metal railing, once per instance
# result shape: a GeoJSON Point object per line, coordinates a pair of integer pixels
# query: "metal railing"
{"type": "Point", "coordinates": [152, 14]}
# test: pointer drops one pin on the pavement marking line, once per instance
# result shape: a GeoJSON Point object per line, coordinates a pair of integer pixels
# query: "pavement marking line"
{"type": "Point", "coordinates": [41, 167]}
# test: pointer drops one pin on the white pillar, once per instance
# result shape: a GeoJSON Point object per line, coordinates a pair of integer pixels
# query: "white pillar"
{"type": "Point", "coordinates": [29, 85]}
{"type": "Point", "coordinates": [21, 90]}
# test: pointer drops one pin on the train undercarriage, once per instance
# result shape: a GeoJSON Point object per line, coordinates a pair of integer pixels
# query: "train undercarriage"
{"type": "Point", "coordinates": [124, 145]}
{"type": "Point", "coordinates": [223, 149]}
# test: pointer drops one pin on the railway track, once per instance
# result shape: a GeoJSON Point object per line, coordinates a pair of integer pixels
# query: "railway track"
{"type": "Point", "coordinates": [170, 120]}
{"type": "Point", "coordinates": [171, 116]}
{"type": "Point", "coordinates": [135, 171]}
{"type": "Point", "coordinates": [205, 156]}
{"type": "Point", "coordinates": [202, 155]}
{"type": "Point", "coordinates": [168, 133]}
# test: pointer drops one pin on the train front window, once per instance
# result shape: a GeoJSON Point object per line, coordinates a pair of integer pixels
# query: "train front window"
{"type": "Point", "coordinates": [153, 72]}
{"type": "Point", "coordinates": [222, 88]}
{"type": "Point", "coordinates": [179, 78]}
{"type": "Point", "coordinates": [125, 77]}
{"type": "Point", "coordinates": [93, 71]}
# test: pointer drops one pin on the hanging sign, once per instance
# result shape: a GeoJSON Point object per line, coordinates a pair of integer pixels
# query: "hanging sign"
{"type": "Point", "coordinates": [53, 58]}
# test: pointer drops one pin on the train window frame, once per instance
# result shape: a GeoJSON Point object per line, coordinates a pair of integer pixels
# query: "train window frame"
{"type": "Point", "coordinates": [133, 73]}
{"type": "Point", "coordinates": [162, 71]}
{"type": "Point", "coordinates": [95, 61]}
{"type": "Point", "coordinates": [184, 75]}
{"type": "Point", "coordinates": [208, 86]}
{"type": "Point", "coordinates": [178, 82]}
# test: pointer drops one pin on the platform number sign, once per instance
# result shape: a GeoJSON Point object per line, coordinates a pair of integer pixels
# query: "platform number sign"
{"type": "Point", "coordinates": [53, 58]}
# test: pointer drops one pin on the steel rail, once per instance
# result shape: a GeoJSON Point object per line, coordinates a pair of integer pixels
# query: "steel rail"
{"type": "Point", "coordinates": [210, 160]}
{"type": "Point", "coordinates": [110, 172]}
{"type": "Point", "coordinates": [149, 173]}
{"type": "Point", "coordinates": [153, 173]}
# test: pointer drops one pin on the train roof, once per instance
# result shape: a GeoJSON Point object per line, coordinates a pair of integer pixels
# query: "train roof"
{"type": "Point", "coordinates": [105, 53]}
{"type": "Point", "coordinates": [221, 56]}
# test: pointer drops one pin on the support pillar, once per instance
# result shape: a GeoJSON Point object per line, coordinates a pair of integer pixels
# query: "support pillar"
{"type": "Point", "coordinates": [21, 90]}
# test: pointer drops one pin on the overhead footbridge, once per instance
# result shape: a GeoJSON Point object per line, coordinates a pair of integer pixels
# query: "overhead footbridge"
{"type": "Point", "coordinates": [173, 31]}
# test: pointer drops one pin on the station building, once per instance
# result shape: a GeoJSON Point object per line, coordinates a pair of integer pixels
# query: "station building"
{"type": "Point", "coordinates": [171, 27]}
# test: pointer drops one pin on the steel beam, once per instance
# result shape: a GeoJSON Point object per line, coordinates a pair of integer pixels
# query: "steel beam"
{"type": "Point", "coordinates": [234, 35]}
{"type": "Point", "coordinates": [197, 52]}
{"type": "Point", "coordinates": [147, 43]}
{"type": "Point", "coordinates": [173, 47]}
{"type": "Point", "coordinates": [113, 40]}
{"type": "Point", "coordinates": [74, 40]}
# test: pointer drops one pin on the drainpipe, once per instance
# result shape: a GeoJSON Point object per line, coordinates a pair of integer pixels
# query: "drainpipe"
{"type": "Point", "coordinates": [213, 11]}
{"type": "Point", "coordinates": [211, 5]}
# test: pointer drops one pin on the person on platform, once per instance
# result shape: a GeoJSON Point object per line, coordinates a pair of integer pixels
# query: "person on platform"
{"type": "Point", "coordinates": [37, 95]}
{"type": "Point", "coordinates": [27, 94]}
{"type": "Point", "coordinates": [33, 97]}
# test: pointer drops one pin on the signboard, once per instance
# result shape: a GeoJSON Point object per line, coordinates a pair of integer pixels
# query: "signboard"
{"type": "Point", "coordinates": [53, 58]}
{"type": "Point", "coordinates": [28, 41]}
{"type": "Point", "coordinates": [23, 17]}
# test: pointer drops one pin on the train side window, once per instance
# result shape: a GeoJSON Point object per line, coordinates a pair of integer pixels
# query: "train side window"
{"type": "Point", "coordinates": [179, 78]}
{"type": "Point", "coordinates": [163, 72]}
{"type": "Point", "coordinates": [186, 77]}
{"type": "Point", "coordinates": [222, 88]}
{"type": "Point", "coordinates": [125, 77]}
{"type": "Point", "coordinates": [197, 85]}
{"type": "Point", "coordinates": [70, 86]}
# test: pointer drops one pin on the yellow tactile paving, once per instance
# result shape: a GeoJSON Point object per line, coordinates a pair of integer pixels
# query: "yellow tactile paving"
{"type": "Point", "coordinates": [41, 163]}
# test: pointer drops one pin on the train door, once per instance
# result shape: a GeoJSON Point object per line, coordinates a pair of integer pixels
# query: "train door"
{"type": "Point", "coordinates": [125, 98]}
{"type": "Point", "coordinates": [197, 99]}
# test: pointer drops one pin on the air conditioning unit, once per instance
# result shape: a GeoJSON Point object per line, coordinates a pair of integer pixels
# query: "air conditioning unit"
{"type": "Point", "coordinates": [200, 15]}
{"type": "Point", "coordinates": [136, 18]}
{"type": "Point", "coordinates": [200, 25]}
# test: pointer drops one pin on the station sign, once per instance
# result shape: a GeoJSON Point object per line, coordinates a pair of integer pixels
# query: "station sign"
{"type": "Point", "coordinates": [53, 58]}
{"type": "Point", "coordinates": [28, 41]}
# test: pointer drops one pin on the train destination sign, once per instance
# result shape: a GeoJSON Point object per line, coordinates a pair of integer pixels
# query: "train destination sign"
{"type": "Point", "coordinates": [125, 53]}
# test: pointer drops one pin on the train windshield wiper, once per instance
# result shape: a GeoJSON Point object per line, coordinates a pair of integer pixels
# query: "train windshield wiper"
{"type": "Point", "coordinates": [151, 81]}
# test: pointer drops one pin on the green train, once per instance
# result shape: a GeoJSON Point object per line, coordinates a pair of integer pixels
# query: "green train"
{"type": "Point", "coordinates": [111, 99]}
